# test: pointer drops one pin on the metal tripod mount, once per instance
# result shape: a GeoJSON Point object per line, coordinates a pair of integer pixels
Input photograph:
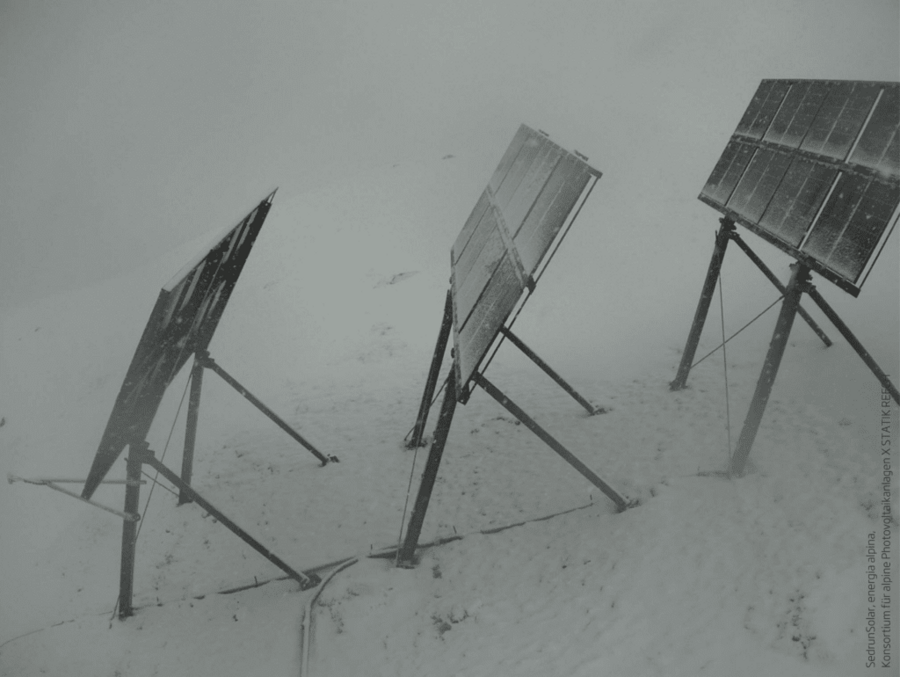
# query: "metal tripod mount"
{"type": "Point", "coordinates": [454, 394]}
{"type": "Point", "coordinates": [139, 454]}
{"type": "Point", "coordinates": [798, 285]}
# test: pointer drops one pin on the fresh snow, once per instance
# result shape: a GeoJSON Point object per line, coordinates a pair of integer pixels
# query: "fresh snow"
{"type": "Point", "coordinates": [131, 136]}
{"type": "Point", "coordinates": [332, 325]}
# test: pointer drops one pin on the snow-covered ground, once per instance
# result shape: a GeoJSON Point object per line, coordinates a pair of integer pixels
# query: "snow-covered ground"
{"type": "Point", "coordinates": [332, 325]}
{"type": "Point", "coordinates": [381, 123]}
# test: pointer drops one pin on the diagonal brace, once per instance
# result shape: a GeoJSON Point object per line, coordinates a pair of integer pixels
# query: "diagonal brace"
{"type": "Point", "coordinates": [778, 344]}
{"type": "Point", "coordinates": [407, 552]}
{"type": "Point", "coordinates": [550, 441]}
{"type": "Point", "coordinates": [518, 343]}
{"type": "Point", "coordinates": [203, 358]}
{"type": "Point", "coordinates": [778, 285]}
{"type": "Point", "coordinates": [433, 372]}
{"type": "Point", "coordinates": [147, 456]}
{"type": "Point", "coordinates": [53, 484]}
{"type": "Point", "coordinates": [726, 227]}
{"type": "Point", "coordinates": [854, 342]}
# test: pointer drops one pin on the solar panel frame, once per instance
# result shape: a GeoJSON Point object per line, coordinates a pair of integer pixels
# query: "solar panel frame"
{"type": "Point", "coordinates": [528, 202]}
{"type": "Point", "coordinates": [183, 320]}
{"type": "Point", "coordinates": [798, 148]}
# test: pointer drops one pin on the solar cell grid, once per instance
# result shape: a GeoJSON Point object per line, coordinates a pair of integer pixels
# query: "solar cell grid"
{"type": "Point", "coordinates": [879, 145]}
{"type": "Point", "coordinates": [802, 143]}
{"type": "Point", "coordinates": [797, 200]}
{"type": "Point", "coordinates": [797, 113]}
{"type": "Point", "coordinates": [527, 202]}
{"type": "Point", "coordinates": [183, 320]}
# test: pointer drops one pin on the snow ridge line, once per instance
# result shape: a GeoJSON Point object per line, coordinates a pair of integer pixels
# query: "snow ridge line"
{"type": "Point", "coordinates": [308, 617]}
{"type": "Point", "coordinates": [389, 552]}
{"type": "Point", "coordinates": [338, 564]}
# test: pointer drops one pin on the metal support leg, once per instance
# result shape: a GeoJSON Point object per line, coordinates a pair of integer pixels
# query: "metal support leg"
{"type": "Point", "coordinates": [448, 406]}
{"type": "Point", "coordinates": [190, 431]}
{"type": "Point", "coordinates": [433, 372]}
{"type": "Point", "coordinates": [780, 287]}
{"type": "Point", "coordinates": [209, 363]}
{"type": "Point", "coordinates": [567, 455]}
{"type": "Point", "coordinates": [854, 342]}
{"type": "Point", "coordinates": [794, 291]}
{"type": "Point", "coordinates": [129, 528]}
{"type": "Point", "coordinates": [709, 287]}
{"type": "Point", "coordinates": [518, 343]}
{"type": "Point", "coordinates": [306, 582]}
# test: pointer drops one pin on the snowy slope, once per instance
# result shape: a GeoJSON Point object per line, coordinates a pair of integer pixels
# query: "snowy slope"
{"type": "Point", "coordinates": [332, 325]}
{"type": "Point", "coordinates": [130, 129]}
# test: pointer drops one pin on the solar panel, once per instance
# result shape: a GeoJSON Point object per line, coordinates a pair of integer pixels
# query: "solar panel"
{"type": "Point", "coordinates": [183, 320]}
{"type": "Point", "coordinates": [814, 168]}
{"type": "Point", "coordinates": [528, 200]}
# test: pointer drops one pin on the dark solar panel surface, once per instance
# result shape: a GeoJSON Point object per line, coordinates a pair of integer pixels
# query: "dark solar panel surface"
{"type": "Point", "coordinates": [186, 314]}
{"type": "Point", "coordinates": [814, 168]}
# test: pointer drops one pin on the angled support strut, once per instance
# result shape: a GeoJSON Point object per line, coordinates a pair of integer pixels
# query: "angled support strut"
{"type": "Point", "coordinates": [145, 455]}
{"type": "Point", "coordinates": [725, 233]}
{"type": "Point", "coordinates": [206, 361]}
{"type": "Point", "coordinates": [777, 346]}
{"type": "Point", "coordinates": [779, 286]}
{"type": "Point", "coordinates": [854, 343]}
{"type": "Point", "coordinates": [709, 287]}
{"type": "Point", "coordinates": [430, 384]}
{"type": "Point", "coordinates": [518, 343]}
{"type": "Point", "coordinates": [551, 442]}
{"type": "Point", "coordinates": [190, 430]}
{"type": "Point", "coordinates": [129, 528]}
{"type": "Point", "coordinates": [407, 551]}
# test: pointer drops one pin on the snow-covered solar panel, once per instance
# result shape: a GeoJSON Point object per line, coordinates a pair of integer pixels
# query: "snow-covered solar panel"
{"type": "Point", "coordinates": [814, 168]}
{"type": "Point", "coordinates": [528, 200]}
{"type": "Point", "coordinates": [182, 322]}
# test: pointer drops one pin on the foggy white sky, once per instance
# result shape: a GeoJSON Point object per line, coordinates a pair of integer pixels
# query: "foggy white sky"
{"type": "Point", "coordinates": [128, 127]}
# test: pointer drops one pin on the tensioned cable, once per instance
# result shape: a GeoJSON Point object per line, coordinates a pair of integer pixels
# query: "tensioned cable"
{"type": "Point", "coordinates": [721, 345]}
{"type": "Point", "coordinates": [162, 456]}
{"type": "Point", "coordinates": [433, 400]}
{"type": "Point", "coordinates": [412, 472]}
{"type": "Point", "coordinates": [154, 482]}
{"type": "Point", "coordinates": [725, 363]}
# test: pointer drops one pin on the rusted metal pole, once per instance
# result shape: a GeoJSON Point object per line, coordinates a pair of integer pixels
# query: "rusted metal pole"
{"type": "Point", "coordinates": [706, 294]}
{"type": "Point", "coordinates": [407, 552]}
{"type": "Point", "coordinates": [129, 527]}
{"type": "Point", "coordinates": [147, 456]}
{"type": "Point", "coordinates": [551, 442]}
{"type": "Point", "coordinates": [190, 430]}
{"type": "Point", "coordinates": [794, 291]}
{"type": "Point", "coordinates": [518, 343]}
{"type": "Point", "coordinates": [430, 384]}
{"type": "Point", "coordinates": [209, 363]}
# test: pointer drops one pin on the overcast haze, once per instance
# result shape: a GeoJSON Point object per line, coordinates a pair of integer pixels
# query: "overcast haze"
{"type": "Point", "coordinates": [130, 132]}
{"type": "Point", "coordinates": [127, 128]}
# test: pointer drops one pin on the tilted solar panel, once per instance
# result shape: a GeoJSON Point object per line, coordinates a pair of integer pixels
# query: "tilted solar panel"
{"type": "Point", "coordinates": [183, 320]}
{"type": "Point", "coordinates": [528, 200]}
{"type": "Point", "coordinates": [814, 168]}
